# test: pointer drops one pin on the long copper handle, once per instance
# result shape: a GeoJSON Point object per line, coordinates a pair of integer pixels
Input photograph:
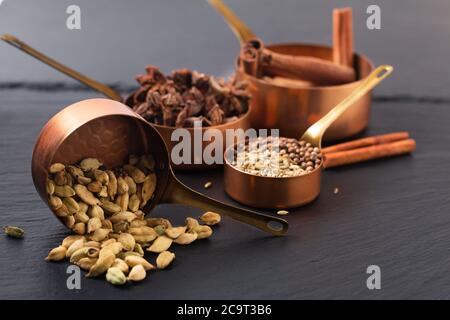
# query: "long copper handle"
{"type": "Point", "coordinates": [239, 28]}
{"type": "Point", "coordinates": [341, 158]}
{"type": "Point", "coordinates": [181, 194]}
{"type": "Point", "coordinates": [315, 132]}
{"type": "Point", "coordinates": [100, 87]}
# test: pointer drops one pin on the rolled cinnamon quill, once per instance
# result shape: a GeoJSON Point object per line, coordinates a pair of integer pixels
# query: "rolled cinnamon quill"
{"type": "Point", "coordinates": [250, 60]}
{"type": "Point", "coordinates": [310, 69]}
{"type": "Point", "coordinates": [318, 71]}
{"type": "Point", "coordinates": [343, 37]}
{"type": "Point", "coordinates": [365, 142]}
{"type": "Point", "coordinates": [340, 158]}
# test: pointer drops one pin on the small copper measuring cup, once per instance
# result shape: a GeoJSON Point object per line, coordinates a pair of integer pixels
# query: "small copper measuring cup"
{"type": "Point", "coordinates": [111, 131]}
{"type": "Point", "coordinates": [243, 122]}
{"type": "Point", "coordinates": [287, 192]}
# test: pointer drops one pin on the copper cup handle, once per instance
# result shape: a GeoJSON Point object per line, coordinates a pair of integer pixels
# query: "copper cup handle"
{"type": "Point", "coordinates": [177, 192]}
{"type": "Point", "coordinates": [315, 132]}
{"type": "Point", "coordinates": [100, 87]}
{"type": "Point", "coordinates": [239, 28]}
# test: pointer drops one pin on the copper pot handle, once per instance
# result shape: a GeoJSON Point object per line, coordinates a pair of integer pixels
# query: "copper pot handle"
{"type": "Point", "coordinates": [100, 87]}
{"type": "Point", "coordinates": [239, 28]}
{"type": "Point", "coordinates": [177, 192]}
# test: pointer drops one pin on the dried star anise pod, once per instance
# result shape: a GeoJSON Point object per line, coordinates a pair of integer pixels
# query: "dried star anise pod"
{"type": "Point", "coordinates": [188, 96]}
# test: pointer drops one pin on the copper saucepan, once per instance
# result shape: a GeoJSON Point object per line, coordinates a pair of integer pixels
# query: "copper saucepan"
{"type": "Point", "coordinates": [287, 192]}
{"type": "Point", "coordinates": [290, 106]}
{"type": "Point", "coordinates": [110, 131]}
{"type": "Point", "coordinates": [166, 132]}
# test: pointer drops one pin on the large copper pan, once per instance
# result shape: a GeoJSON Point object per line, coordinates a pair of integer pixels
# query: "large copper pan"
{"type": "Point", "coordinates": [292, 109]}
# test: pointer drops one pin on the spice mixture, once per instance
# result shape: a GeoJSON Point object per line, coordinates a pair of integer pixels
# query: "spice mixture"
{"type": "Point", "coordinates": [277, 157]}
{"type": "Point", "coordinates": [186, 96]}
{"type": "Point", "coordinates": [103, 208]}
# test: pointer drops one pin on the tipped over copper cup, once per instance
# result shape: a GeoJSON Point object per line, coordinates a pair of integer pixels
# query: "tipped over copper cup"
{"type": "Point", "coordinates": [110, 131]}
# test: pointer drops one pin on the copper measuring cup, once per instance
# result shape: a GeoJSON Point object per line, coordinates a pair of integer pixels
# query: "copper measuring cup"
{"type": "Point", "coordinates": [111, 131]}
{"type": "Point", "coordinates": [287, 192]}
{"type": "Point", "coordinates": [166, 132]}
{"type": "Point", "coordinates": [274, 102]}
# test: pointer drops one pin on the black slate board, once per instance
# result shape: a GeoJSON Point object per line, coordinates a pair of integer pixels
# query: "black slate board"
{"type": "Point", "coordinates": [392, 213]}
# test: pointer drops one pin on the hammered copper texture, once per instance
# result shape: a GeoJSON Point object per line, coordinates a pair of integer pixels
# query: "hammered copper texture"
{"type": "Point", "coordinates": [101, 128]}
{"type": "Point", "coordinates": [110, 139]}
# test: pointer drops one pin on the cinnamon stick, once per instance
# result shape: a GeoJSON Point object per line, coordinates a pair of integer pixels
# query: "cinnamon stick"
{"type": "Point", "coordinates": [315, 70]}
{"type": "Point", "coordinates": [341, 158]}
{"type": "Point", "coordinates": [250, 61]}
{"type": "Point", "coordinates": [365, 142]}
{"type": "Point", "coordinates": [343, 37]}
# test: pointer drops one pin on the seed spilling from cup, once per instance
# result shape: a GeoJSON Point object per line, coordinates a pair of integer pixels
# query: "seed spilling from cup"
{"type": "Point", "coordinates": [103, 208]}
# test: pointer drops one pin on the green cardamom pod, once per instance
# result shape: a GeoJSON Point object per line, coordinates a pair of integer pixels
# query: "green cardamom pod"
{"type": "Point", "coordinates": [14, 232]}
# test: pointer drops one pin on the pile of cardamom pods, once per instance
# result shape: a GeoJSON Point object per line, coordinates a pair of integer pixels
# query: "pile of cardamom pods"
{"type": "Point", "coordinates": [103, 208]}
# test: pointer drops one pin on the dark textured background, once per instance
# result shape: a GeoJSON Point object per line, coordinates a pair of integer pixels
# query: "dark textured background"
{"type": "Point", "coordinates": [393, 213]}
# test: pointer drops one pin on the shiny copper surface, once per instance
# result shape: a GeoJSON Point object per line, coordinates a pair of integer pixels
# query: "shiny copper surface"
{"type": "Point", "coordinates": [268, 193]}
{"type": "Point", "coordinates": [166, 132]}
{"type": "Point", "coordinates": [111, 131]}
{"type": "Point", "coordinates": [292, 109]}
{"type": "Point", "coordinates": [286, 192]}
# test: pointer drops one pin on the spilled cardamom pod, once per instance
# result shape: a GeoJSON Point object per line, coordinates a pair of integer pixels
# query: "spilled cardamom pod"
{"type": "Point", "coordinates": [56, 167]}
{"type": "Point", "coordinates": [148, 188]}
{"type": "Point", "coordinates": [164, 259]}
{"type": "Point", "coordinates": [137, 273]}
{"type": "Point", "coordinates": [123, 200]}
{"type": "Point", "coordinates": [77, 244]}
{"type": "Point", "coordinates": [55, 202]}
{"type": "Point", "coordinates": [101, 176]}
{"type": "Point", "coordinates": [110, 207]}
{"type": "Point", "coordinates": [137, 175]}
{"type": "Point", "coordinates": [86, 263]}
{"type": "Point", "coordinates": [71, 205]}
{"type": "Point", "coordinates": [191, 223]}
{"type": "Point", "coordinates": [79, 228]}
{"type": "Point", "coordinates": [202, 232]}
{"type": "Point", "coordinates": [131, 184]}
{"type": "Point", "coordinates": [85, 252]}
{"type": "Point", "coordinates": [96, 212]}
{"type": "Point", "coordinates": [90, 164]}
{"type": "Point", "coordinates": [49, 187]}
{"type": "Point", "coordinates": [94, 224]}
{"type": "Point", "coordinates": [120, 264]}
{"type": "Point", "coordinates": [69, 240]}
{"type": "Point", "coordinates": [175, 232]}
{"type": "Point", "coordinates": [14, 232]}
{"type": "Point", "coordinates": [85, 195]}
{"type": "Point", "coordinates": [160, 229]}
{"type": "Point", "coordinates": [99, 234]}
{"type": "Point", "coordinates": [134, 203]}
{"type": "Point", "coordinates": [127, 241]}
{"type": "Point", "coordinates": [57, 254]}
{"type": "Point", "coordinates": [95, 186]}
{"type": "Point", "coordinates": [64, 191]}
{"type": "Point", "coordinates": [210, 218]}
{"type": "Point", "coordinates": [132, 261]}
{"type": "Point", "coordinates": [186, 238]}
{"type": "Point", "coordinates": [104, 262]}
{"type": "Point", "coordinates": [112, 184]}
{"type": "Point", "coordinates": [162, 243]}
